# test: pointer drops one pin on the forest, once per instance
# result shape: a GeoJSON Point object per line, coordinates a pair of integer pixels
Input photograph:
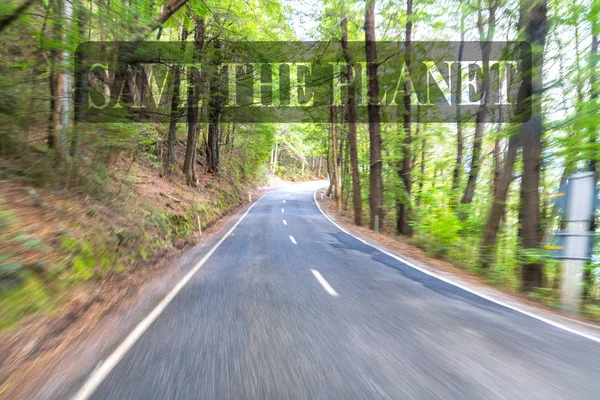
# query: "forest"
{"type": "Point", "coordinates": [477, 193]}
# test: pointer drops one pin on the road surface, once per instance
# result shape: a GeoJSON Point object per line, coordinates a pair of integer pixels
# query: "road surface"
{"type": "Point", "coordinates": [290, 307]}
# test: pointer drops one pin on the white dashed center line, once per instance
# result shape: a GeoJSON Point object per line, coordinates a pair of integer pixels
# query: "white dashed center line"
{"type": "Point", "coordinates": [282, 211]}
{"type": "Point", "coordinates": [284, 202]}
{"type": "Point", "coordinates": [324, 283]}
{"type": "Point", "coordinates": [284, 222]}
{"type": "Point", "coordinates": [293, 240]}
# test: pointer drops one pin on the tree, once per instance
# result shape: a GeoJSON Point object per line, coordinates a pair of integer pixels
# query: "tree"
{"type": "Point", "coordinates": [459, 134]}
{"type": "Point", "coordinates": [194, 89]}
{"type": "Point", "coordinates": [485, 38]}
{"type": "Point", "coordinates": [169, 154]}
{"type": "Point", "coordinates": [531, 140]}
{"type": "Point", "coordinates": [375, 178]}
{"type": "Point", "coordinates": [403, 207]}
{"type": "Point", "coordinates": [215, 105]}
{"type": "Point", "coordinates": [351, 116]}
{"type": "Point", "coordinates": [335, 176]}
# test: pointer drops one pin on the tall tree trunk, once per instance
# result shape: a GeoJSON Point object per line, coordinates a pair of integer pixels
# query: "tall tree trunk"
{"type": "Point", "coordinates": [497, 154]}
{"type": "Point", "coordinates": [422, 170]}
{"type": "Point", "coordinates": [531, 139]}
{"type": "Point", "coordinates": [81, 84]}
{"type": "Point", "coordinates": [54, 14]}
{"type": "Point", "coordinates": [375, 178]}
{"type": "Point", "coordinates": [459, 135]}
{"type": "Point", "coordinates": [498, 209]}
{"type": "Point", "coordinates": [351, 114]}
{"type": "Point", "coordinates": [216, 101]}
{"type": "Point", "coordinates": [169, 155]}
{"type": "Point", "coordinates": [482, 110]}
{"type": "Point", "coordinates": [194, 89]}
{"type": "Point", "coordinates": [405, 173]}
{"type": "Point", "coordinates": [64, 86]}
{"type": "Point", "coordinates": [334, 155]}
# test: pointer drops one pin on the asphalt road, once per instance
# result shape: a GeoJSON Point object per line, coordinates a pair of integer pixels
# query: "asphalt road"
{"type": "Point", "coordinates": [300, 310]}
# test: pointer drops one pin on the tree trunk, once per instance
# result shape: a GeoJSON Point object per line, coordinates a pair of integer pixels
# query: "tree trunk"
{"type": "Point", "coordinates": [216, 101]}
{"type": "Point", "coordinates": [54, 13]}
{"type": "Point", "coordinates": [351, 114]}
{"type": "Point", "coordinates": [482, 110]}
{"type": "Point", "coordinates": [497, 154]}
{"type": "Point", "coordinates": [169, 155]}
{"type": "Point", "coordinates": [81, 81]}
{"type": "Point", "coordinates": [531, 139]}
{"type": "Point", "coordinates": [405, 172]}
{"type": "Point", "coordinates": [194, 89]}
{"type": "Point", "coordinates": [375, 178]}
{"type": "Point", "coordinates": [498, 209]}
{"type": "Point", "coordinates": [64, 85]}
{"type": "Point", "coordinates": [335, 169]}
{"type": "Point", "coordinates": [459, 135]}
{"type": "Point", "coordinates": [422, 169]}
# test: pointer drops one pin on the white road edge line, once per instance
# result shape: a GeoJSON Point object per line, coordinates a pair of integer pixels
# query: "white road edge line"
{"type": "Point", "coordinates": [97, 376]}
{"type": "Point", "coordinates": [324, 283]}
{"type": "Point", "coordinates": [293, 240]}
{"type": "Point", "coordinates": [284, 222]}
{"type": "Point", "coordinates": [458, 285]}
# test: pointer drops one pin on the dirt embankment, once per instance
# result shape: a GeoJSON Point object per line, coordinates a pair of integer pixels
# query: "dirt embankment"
{"type": "Point", "coordinates": [67, 260]}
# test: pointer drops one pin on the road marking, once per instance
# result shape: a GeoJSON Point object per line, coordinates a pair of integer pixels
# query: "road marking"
{"type": "Point", "coordinates": [324, 283]}
{"type": "Point", "coordinates": [107, 366]}
{"type": "Point", "coordinates": [293, 240]}
{"type": "Point", "coordinates": [282, 211]}
{"type": "Point", "coordinates": [284, 202]}
{"type": "Point", "coordinates": [458, 285]}
{"type": "Point", "coordinates": [284, 222]}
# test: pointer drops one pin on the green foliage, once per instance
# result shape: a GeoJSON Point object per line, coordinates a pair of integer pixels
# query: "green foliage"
{"type": "Point", "coordinates": [30, 297]}
{"type": "Point", "coordinates": [438, 228]}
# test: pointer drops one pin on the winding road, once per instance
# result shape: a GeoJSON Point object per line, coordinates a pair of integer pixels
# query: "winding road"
{"type": "Point", "coordinates": [290, 307]}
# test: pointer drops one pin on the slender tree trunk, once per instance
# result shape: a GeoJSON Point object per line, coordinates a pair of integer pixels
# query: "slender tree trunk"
{"type": "Point", "coordinates": [54, 13]}
{"type": "Point", "coordinates": [194, 89]}
{"type": "Point", "coordinates": [169, 155]}
{"type": "Point", "coordinates": [459, 135]}
{"type": "Point", "coordinates": [351, 113]}
{"type": "Point", "coordinates": [375, 178]}
{"type": "Point", "coordinates": [498, 209]}
{"type": "Point", "coordinates": [215, 106]}
{"type": "Point", "coordinates": [422, 169]}
{"type": "Point", "coordinates": [81, 81]}
{"type": "Point", "coordinates": [481, 112]}
{"type": "Point", "coordinates": [531, 139]}
{"type": "Point", "coordinates": [403, 214]}
{"type": "Point", "coordinates": [64, 86]}
{"type": "Point", "coordinates": [334, 155]}
{"type": "Point", "coordinates": [497, 153]}
{"type": "Point", "coordinates": [319, 171]}
{"type": "Point", "coordinates": [276, 154]}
